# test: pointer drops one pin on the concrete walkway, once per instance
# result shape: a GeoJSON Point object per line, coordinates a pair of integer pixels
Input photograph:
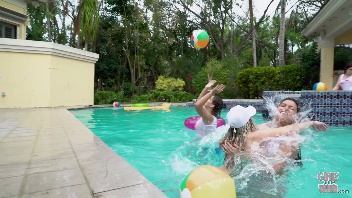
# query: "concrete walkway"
{"type": "Point", "coordinates": [49, 153]}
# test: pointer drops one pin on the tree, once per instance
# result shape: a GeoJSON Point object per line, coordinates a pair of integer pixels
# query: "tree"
{"type": "Point", "coordinates": [37, 27]}
{"type": "Point", "coordinates": [217, 17]}
{"type": "Point", "coordinates": [254, 47]}
{"type": "Point", "coordinates": [282, 33]}
{"type": "Point", "coordinates": [90, 21]}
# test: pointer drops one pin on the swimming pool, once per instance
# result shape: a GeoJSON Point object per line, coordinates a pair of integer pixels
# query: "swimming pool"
{"type": "Point", "coordinates": [158, 145]}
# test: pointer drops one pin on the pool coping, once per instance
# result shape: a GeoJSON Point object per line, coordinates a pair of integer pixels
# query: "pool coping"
{"type": "Point", "coordinates": [48, 152]}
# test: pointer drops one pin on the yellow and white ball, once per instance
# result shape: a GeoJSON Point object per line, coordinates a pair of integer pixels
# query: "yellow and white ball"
{"type": "Point", "coordinates": [207, 182]}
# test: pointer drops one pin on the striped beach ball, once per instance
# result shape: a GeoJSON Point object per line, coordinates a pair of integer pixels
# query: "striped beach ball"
{"type": "Point", "coordinates": [207, 182]}
{"type": "Point", "coordinates": [199, 39]}
{"type": "Point", "coordinates": [320, 86]}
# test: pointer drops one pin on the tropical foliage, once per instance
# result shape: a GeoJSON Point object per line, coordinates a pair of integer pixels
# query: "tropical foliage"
{"type": "Point", "coordinates": [141, 41]}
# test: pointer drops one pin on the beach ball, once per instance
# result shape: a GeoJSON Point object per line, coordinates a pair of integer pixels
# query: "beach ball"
{"type": "Point", "coordinates": [207, 182]}
{"type": "Point", "coordinates": [320, 86]}
{"type": "Point", "coordinates": [116, 104]}
{"type": "Point", "coordinates": [199, 39]}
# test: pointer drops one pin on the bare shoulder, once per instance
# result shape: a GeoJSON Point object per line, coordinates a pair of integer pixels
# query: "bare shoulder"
{"type": "Point", "coordinates": [263, 126]}
{"type": "Point", "coordinates": [253, 136]}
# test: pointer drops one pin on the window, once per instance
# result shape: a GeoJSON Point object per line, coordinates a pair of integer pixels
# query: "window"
{"type": "Point", "coordinates": [8, 30]}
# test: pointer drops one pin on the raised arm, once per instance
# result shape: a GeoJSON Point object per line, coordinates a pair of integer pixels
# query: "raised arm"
{"type": "Point", "coordinates": [293, 128]}
{"type": "Point", "coordinates": [199, 105]}
{"type": "Point", "coordinates": [206, 88]}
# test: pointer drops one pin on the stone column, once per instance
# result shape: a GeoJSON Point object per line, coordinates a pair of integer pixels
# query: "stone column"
{"type": "Point", "coordinates": [326, 47]}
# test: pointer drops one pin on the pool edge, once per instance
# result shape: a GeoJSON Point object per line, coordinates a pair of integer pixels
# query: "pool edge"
{"type": "Point", "coordinates": [142, 186]}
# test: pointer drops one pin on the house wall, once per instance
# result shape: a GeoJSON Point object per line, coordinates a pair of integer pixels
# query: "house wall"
{"type": "Point", "coordinates": [43, 74]}
{"type": "Point", "coordinates": [345, 38]}
{"type": "Point", "coordinates": [24, 79]}
{"type": "Point", "coordinates": [72, 82]}
{"type": "Point", "coordinates": [19, 6]}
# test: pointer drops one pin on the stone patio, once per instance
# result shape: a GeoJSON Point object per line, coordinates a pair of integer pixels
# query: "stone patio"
{"type": "Point", "coordinates": [47, 152]}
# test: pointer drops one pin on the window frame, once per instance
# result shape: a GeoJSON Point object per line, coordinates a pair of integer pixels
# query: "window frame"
{"type": "Point", "coordinates": [13, 28]}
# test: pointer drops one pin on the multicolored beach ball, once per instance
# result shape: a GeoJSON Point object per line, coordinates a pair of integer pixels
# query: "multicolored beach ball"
{"type": "Point", "coordinates": [207, 182]}
{"type": "Point", "coordinates": [199, 39]}
{"type": "Point", "coordinates": [320, 86]}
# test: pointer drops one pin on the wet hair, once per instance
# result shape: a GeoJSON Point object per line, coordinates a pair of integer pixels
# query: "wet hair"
{"type": "Point", "coordinates": [294, 100]}
{"type": "Point", "coordinates": [218, 105]}
{"type": "Point", "coordinates": [238, 136]}
{"type": "Point", "coordinates": [347, 66]}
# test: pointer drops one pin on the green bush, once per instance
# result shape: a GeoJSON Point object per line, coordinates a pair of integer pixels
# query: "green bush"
{"type": "Point", "coordinates": [261, 79]}
{"type": "Point", "coordinates": [253, 81]}
{"type": "Point", "coordinates": [224, 72]}
{"type": "Point", "coordinates": [142, 98]}
{"type": "Point", "coordinates": [164, 96]}
{"type": "Point", "coordinates": [309, 58]}
{"type": "Point", "coordinates": [169, 84]}
{"type": "Point", "coordinates": [107, 97]}
{"type": "Point", "coordinates": [243, 82]}
{"type": "Point", "coordinates": [212, 67]}
{"type": "Point", "coordinates": [222, 77]}
{"type": "Point", "coordinates": [291, 77]}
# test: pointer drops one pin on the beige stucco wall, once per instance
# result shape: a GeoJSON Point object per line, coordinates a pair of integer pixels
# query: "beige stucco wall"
{"type": "Point", "coordinates": [24, 79]}
{"type": "Point", "coordinates": [345, 38]}
{"type": "Point", "coordinates": [43, 74]}
{"type": "Point", "coordinates": [72, 82]}
{"type": "Point", "coordinates": [19, 6]}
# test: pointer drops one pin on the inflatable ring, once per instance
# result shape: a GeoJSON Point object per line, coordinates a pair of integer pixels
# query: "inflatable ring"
{"type": "Point", "coordinates": [191, 122]}
{"type": "Point", "coordinates": [140, 105]}
{"type": "Point", "coordinates": [164, 106]}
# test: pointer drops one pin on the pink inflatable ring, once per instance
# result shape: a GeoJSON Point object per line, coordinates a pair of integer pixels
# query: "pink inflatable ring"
{"type": "Point", "coordinates": [191, 122]}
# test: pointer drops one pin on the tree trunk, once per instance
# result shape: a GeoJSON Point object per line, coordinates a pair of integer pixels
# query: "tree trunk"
{"type": "Point", "coordinates": [254, 47]}
{"type": "Point", "coordinates": [99, 84]}
{"type": "Point", "coordinates": [131, 66]}
{"type": "Point", "coordinates": [78, 42]}
{"type": "Point", "coordinates": [48, 20]}
{"type": "Point", "coordinates": [232, 47]}
{"type": "Point", "coordinates": [77, 22]}
{"type": "Point", "coordinates": [282, 34]}
{"type": "Point", "coordinates": [63, 21]}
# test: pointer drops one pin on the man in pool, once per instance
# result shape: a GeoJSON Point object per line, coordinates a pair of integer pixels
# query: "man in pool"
{"type": "Point", "coordinates": [255, 166]}
{"type": "Point", "coordinates": [285, 115]}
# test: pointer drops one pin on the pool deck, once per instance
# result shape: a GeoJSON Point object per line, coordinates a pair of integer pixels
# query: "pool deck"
{"type": "Point", "coordinates": [47, 152]}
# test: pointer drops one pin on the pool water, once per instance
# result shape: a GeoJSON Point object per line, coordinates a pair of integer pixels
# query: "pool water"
{"type": "Point", "coordinates": [158, 145]}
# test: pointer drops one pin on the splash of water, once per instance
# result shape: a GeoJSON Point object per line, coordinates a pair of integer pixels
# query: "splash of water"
{"type": "Point", "coordinates": [201, 151]}
{"type": "Point", "coordinates": [272, 102]}
{"type": "Point", "coordinates": [249, 175]}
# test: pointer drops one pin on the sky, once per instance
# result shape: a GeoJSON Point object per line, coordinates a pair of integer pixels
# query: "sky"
{"type": "Point", "coordinates": [259, 7]}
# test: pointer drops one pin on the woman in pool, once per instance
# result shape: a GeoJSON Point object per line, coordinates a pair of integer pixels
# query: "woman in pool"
{"type": "Point", "coordinates": [286, 114]}
{"type": "Point", "coordinates": [209, 107]}
{"type": "Point", "coordinates": [345, 80]}
{"type": "Point", "coordinates": [244, 133]}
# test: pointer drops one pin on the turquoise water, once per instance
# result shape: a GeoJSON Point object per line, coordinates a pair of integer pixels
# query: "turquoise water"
{"type": "Point", "coordinates": [158, 145]}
